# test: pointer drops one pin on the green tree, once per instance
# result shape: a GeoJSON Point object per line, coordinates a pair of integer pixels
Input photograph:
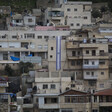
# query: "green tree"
{"type": "Point", "coordinates": [8, 70]}
{"type": "Point", "coordinates": [96, 13]}
{"type": "Point", "coordinates": [110, 5]}
{"type": "Point", "coordinates": [103, 9]}
{"type": "Point", "coordinates": [25, 67]}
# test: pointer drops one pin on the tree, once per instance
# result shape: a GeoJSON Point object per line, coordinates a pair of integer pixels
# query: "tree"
{"type": "Point", "coordinates": [110, 5]}
{"type": "Point", "coordinates": [8, 70]}
{"type": "Point", "coordinates": [96, 13]}
{"type": "Point", "coordinates": [25, 67]}
{"type": "Point", "coordinates": [103, 9]}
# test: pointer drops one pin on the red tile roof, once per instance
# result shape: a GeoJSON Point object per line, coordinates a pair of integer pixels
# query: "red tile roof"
{"type": "Point", "coordinates": [73, 92]}
{"type": "Point", "coordinates": [106, 92]}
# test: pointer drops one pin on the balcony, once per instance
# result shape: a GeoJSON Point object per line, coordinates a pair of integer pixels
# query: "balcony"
{"type": "Point", "coordinates": [3, 84]}
{"type": "Point", "coordinates": [28, 105]}
{"type": "Point", "coordinates": [90, 77]}
{"type": "Point", "coordinates": [90, 67]}
{"type": "Point", "coordinates": [49, 106]}
{"type": "Point", "coordinates": [71, 45]}
{"type": "Point", "coordinates": [105, 104]}
{"type": "Point", "coordinates": [89, 45]}
{"type": "Point", "coordinates": [96, 56]}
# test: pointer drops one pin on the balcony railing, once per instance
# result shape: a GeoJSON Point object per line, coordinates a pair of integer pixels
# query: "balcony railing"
{"type": "Point", "coordinates": [3, 84]}
{"type": "Point", "coordinates": [90, 77]}
{"type": "Point", "coordinates": [90, 67]}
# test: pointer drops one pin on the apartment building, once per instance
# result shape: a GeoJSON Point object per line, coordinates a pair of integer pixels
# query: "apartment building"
{"type": "Point", "coordinates": [89, 61]}
{"type": "Point", "coordinates": [20, 43]}
{"type": "Point", "coordinates": [73, 14]}
{"type": "Point", "coordinates": [102, 101]}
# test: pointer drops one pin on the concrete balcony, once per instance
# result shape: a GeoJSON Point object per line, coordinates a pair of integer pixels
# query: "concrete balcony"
{"type": "Point", "coordinates": [56, 17]}
{"type": "Point", "coordinates": [90, 67]}
{"type": "Point", "coordinates": [27, 105]}
{"type": "Point", "coordinates": [105, 104]}
{"type": "Point", "coordinates": [90, 77]}
{"type": "Point", "coordinates": [30, 80]}
{"type": "Point", "coordinates": [74, 57]}
{"type": "Point", "coordinates": [49, 106]}
{"type": "Point", "coordinates": [98, 56]}
{"type": "Point", "coordinates": [71, 45]}
{"type": "Point", "coordinates": [3, 84]}
{"type": "Point", "coordinates": [89, 45]}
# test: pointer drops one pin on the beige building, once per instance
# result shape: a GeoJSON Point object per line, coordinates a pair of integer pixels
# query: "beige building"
{"type": "Point", "coordinates": [73, 14]}
{"type": "Point", "coordinates": [20, 43]}
{"type": "Point", "coordinates": [89, 61]}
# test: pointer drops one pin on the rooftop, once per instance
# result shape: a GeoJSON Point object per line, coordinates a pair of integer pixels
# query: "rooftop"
{"type": "Point", "coordinates": [105, 92]}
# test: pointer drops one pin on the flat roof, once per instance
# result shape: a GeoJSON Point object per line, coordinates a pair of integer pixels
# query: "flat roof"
{"type": "Point", "coordinates": [85, 3]}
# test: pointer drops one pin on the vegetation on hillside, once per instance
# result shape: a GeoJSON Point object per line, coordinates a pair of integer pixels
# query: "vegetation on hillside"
{"type": "Point", "coordinates": [19, 5]}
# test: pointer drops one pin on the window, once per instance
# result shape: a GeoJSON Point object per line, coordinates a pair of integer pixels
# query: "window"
{"type": "Point", "coordinates": [67, 99]}
{"type": "Point", "coordinates": [54, 100]}
{"type": "Point", "coordinates": [30, 20]}
{"type": "Point", "coordinates": [51, 56]}
{"type": "Point", "coordinates": [45, 46]}
{"type": "Point", "coordinates": [29, 35]}
{"type": "Point", "coordinates": [101, 52]}
{"type": "Point", "coordinates": [73, 53]}
{"type": "Point", "coordinates": [71, 24]}
{"type": "Point", "coordinates": [85, 17]}
{"type": "Point", "coordinates": [53, 86]}
{"type": "Point", "coordinates": [92, 73]}
{"type": "Point", "coordinates": [39, 46]}
{"type": "Point", "coordinates": [17, 54]}
{"type": "Point", "coordinates": [87, 73]}
{"type": "Point", "coordinates": [93, 62]}
{"type": "Point", "coordinates": [14, 37]}
{"type": "Point", "coordinates": [101, 85]}
{"type": "Point", "coordinates": [95, 110]}
{"type": "Point", "coordinates": [5, 56]}
{"type": "Point", "coordinates": [45, 86]}
{"type": "Point", "coordinates": [101, 62]}
{"type": "Point", "coordinates": [39, 37]}
{"type": "Point", "coordinates": [87, 51]}
{"type": "Point", "coordinates": [46, 37]}
{"type": "Point", "coordinates": [78, 62]}
{"type": "Point", "coordinates": [72, 85]}
{"type": "Point", "coordinates": [66, 110]}
{"type": "Point", "coordinates": [92, 83]}
{"type": "Point", "coordinates": [75, 9]}
{"type": "Point", "coordinates": [102, 73]}
{"type": "Point", "coordinates": [78, 53]}
{"type": "Point", "coordinates": [86, 62]}
{"type": "Point", "coordinates": [68, 9]}
{"type": "Point", "coordinates": [51, 48]}
{"type": "Point", "coordinates": [73, 63]}
{"type": "Point", "coordinates": [77, 24]}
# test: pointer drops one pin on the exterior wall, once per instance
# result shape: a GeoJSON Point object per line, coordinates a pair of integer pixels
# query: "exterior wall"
{"type": "Point", "coordinates": [39, 82]}
{"type": "Point", "coordinates": [76, 107]}
{"type": "Point", "coordinates": [29, 21]}
{"type": "Point", "coordinates": [52, 61]}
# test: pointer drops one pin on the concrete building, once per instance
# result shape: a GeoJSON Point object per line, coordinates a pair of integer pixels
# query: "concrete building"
{"type": "Point", "coordinates": [89, 61]}
{"type": "Point", "coordinates": [73, 14]}
{"type": "Point", "coordinates": [20, 43]}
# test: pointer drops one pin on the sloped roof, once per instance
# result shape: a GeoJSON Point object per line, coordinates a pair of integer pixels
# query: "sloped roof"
{"type": "Point", "coordinates": [74, 92]}
{"type": "Point", "coordinates": [105, 92]}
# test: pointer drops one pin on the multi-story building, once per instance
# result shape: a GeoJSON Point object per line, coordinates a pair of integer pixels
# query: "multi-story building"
{"type": "Point", "coordinates": [89, 61]}
{"type": "Point", "coordinates": [73, 14]}
{"type": "Point", "coordinates": [20, 43]}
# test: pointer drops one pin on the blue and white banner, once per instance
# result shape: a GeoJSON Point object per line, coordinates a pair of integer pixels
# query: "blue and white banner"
{"type": "Point", "coordinates": [58, 53]}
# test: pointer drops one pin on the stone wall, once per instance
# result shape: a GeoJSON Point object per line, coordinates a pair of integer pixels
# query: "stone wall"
{"type": "Point", "coordinates": [3, 107]}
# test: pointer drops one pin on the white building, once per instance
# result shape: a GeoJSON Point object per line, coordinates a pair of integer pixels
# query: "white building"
{"type": "Point", "coordinates": [73, 14]}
